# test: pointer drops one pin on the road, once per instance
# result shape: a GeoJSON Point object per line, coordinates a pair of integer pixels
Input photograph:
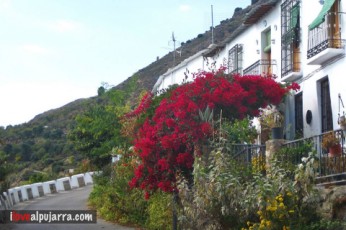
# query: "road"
{"type": "Point", "coordinates": [69, 200]}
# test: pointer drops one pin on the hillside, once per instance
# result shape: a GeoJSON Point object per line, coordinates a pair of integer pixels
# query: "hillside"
{"type": "Point", "coordinates": [41, 145]}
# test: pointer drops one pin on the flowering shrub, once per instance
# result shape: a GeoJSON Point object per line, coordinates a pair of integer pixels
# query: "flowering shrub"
{"type": "Point", "coordinates": [166, 142]}
{"type": "Point", "coordinates": [143, 105]}
{"type": "Point", "coordinates": [278, 213]}
{"type": "Point", "coordinates": [258, 164]}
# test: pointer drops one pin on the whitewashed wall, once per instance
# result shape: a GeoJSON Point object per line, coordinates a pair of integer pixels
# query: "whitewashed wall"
{"type": "Point", "coordinates": [312, 74]}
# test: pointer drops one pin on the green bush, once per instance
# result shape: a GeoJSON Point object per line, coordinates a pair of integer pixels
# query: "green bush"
{"type": "Point", "coordinates": [114, 199]}
{"type": "Point", "coordinates": [226, 195]}
{"type": "Point", "coordinates": [160, 211]}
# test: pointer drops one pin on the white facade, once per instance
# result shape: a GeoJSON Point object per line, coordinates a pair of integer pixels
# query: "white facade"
{"type": "Point", "coordinates": [263, 39]}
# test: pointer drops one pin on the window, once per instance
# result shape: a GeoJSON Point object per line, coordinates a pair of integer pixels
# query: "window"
{"type": "Point", "coordinates": [326, 109]}
{"type": "Point", "coordinates": [266, 36]}
{"type": "Point", "coordinates": [290, 37]}
{"type": "Point", "coordinates": [235, 59]}
{"type": "Point", "coordinates": [298, 112]}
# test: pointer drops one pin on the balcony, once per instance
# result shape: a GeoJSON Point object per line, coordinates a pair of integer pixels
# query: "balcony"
{"type": "Point", "coordinates": [325, 41]}
{"type": "Point", "coordinates": [291, 67]}
{"type": "Point", "coordinates": [261, 67]}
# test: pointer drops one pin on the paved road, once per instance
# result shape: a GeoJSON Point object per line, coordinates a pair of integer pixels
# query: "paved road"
{"type": "Point", "coordinates": [71, 200]}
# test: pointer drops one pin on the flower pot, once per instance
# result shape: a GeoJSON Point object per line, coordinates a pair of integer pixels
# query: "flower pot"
{"type": "Point", "coordinates": [342, 122]}
{"type": "Point", "coordinates": [335, 150]}
{"type": "Point", "coordinates": [277, 133]}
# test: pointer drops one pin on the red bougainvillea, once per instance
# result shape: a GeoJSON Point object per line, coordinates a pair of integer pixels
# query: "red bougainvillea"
{"type": "Point", "coordinates": [166, 141]}
{"type": "Point", "coordinates": [143, 105]}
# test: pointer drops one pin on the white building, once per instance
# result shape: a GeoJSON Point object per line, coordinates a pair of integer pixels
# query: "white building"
{"type": "Point", "coordinates": [299, 41]}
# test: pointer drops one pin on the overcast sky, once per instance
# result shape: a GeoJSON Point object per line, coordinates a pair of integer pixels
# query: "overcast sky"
{"type": "Point", "coordinates": [53, 52]}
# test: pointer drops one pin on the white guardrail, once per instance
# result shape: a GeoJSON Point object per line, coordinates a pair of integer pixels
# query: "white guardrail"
{"type": "Point", "coordinates": [31, 191]}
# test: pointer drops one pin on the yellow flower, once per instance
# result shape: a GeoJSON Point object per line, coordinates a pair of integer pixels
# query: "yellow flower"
{"type": "Point", "coordinates": [268, 223]}
{"type": "Point", "coordinates": [291, 211]}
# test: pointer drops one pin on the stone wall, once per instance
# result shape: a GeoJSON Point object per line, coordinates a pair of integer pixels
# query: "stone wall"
{"type": "Point", "coordinates": [333, 202]}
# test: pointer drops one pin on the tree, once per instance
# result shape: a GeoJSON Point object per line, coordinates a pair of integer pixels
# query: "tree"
{"type": "Point", "coordinates": [100, 91]}
{"type": "Point", "coordinates": [97, 131]}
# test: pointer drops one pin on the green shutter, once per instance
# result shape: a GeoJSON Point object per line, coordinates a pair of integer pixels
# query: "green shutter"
{"type": "Point", "coordinates": [320, 18]}
{"type": "Point", "coordinates": [268, 42]}
{"type": "Point", "coordinates": [294, 15]}
{"type": "Point", "coordinates": [267, 49]}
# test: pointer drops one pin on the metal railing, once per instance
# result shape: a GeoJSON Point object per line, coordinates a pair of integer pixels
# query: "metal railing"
{"type": "Point", "coordinates": [292, 152]}
{"type": "Point", "coordinates": [326, 35]}
{"type": "Point", "coordinates": [263, 66]}
{"type": "Point", "coordinates": [328, 165]}
{"type": "Point", "coordinates": [246, 154]}
{"type": "Point", "coordinates": [290, 62]}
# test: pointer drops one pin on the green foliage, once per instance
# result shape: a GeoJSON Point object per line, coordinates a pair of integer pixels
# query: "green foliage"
{"type": "Point", "coordinates": [239, 131]}
{"type": "Point", "coordinates": [115, 200]}
{"type": "Point", "coordinates": [39, 177]}
{"type": "Point", "coordinates": [324, 225]}
{"type": "Point", "coordinates": [101, 90]}
{"type": "Point", "coordinates": [159, 211]}
{"type": "Point", "coordinates": [5, 169]}
{"type": "Point", "coordinates": [98, 130]}
{"type": "Point", "coordinates": [227, 195]}
{"type": "Point", "coordinates": [289, 157]}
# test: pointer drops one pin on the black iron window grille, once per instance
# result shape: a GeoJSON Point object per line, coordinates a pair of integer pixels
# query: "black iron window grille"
{"type": "Point", "coordinates": [290, 37]}
{"type": "Point", "coordinates": [235, 59]}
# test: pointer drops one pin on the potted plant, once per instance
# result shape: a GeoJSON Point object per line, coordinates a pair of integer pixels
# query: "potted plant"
{"type": "Point", "coordinates": [331, 143]}
{"type": "Point", "coordinates": [273, 119]}
{"type": "Point", "coordinates": [342, 122]}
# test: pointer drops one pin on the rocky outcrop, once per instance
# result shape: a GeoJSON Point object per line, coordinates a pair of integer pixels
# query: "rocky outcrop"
{"type": "Point", "coordinates": [333, 203]}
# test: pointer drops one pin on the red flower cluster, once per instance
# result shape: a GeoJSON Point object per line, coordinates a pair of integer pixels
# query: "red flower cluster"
{"type": "Point", "coordinates": [143, 105]}
{"type": "Point", "coordinates": [166, 142]}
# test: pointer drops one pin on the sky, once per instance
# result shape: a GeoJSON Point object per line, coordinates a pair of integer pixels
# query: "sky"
{"type": "Point", "coordinates": [53, 52]}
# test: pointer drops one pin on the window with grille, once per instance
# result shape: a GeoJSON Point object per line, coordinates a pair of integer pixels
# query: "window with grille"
{"type": "Point", "coordinates": [290, 37]}
{"type": "Point", "coordinates": [235, 59]}
{"type": "Point", "coordinates": [326, 108]}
